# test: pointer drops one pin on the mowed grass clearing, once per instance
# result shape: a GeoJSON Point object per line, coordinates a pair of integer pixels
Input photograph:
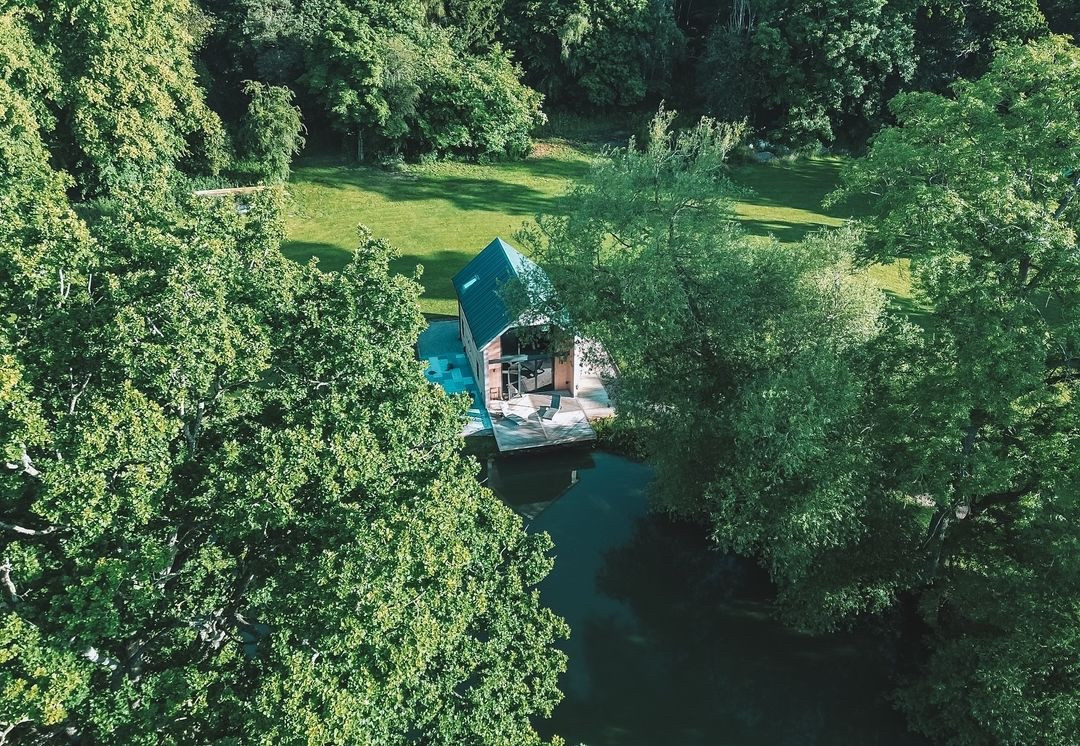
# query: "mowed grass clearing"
{"type": "Point", "coordinates": [440, 215]}
{"type": "Point", "coordinates": [785, 202]}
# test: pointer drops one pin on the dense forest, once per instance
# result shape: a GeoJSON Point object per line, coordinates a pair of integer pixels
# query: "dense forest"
{"type": "Point", "coordinates": [233, 511]}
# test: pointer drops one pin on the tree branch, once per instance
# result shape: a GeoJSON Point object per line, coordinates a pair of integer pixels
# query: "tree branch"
{"type": "Point", "coordinates": [23, 531]}
{"type": "Point", "coordinates": [26, 464]}
{"type": "Point", "coordinates": [9, 585]}
{"type": "Point", "coordinates": [75, 398]}
{"type": "Point", "coordinates": [1068, 198]}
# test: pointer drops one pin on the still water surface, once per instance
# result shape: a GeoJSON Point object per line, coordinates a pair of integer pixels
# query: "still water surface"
{"type": "Point", "coordinates": [673, 643]}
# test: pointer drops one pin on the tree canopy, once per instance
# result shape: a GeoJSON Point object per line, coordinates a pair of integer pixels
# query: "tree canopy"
{"type": "Point", "coordinates": [979, 191]}
{"type": "Point", "coordinates": [803, 72]}
{"type": "Point", "coordinates": [231, 507]}
{"type": "Point", "coordinates": [743, 364]}
{"type": "Point", "coordinates": [233, 510]}
{"type": "Point", "coordinates": [871, 463]}
{"type": "Point", "coordinates": [125, 103]}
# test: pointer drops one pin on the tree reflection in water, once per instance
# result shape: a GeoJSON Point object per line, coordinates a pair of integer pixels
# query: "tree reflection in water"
{"type": "Point", "coordinates": [674, 643]}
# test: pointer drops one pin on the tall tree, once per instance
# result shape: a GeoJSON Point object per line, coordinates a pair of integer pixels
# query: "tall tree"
{"type": "Point", "coordinates": [821, 69]}
{"type": "Point", "coordinates": [272, 131]}
{"type": "Point", "coordinates": [742, 364]}
{"type": "Point", "coordinates": [979, 191]}
{"type": "Point", "coordinates": [128, 103]}
{"type": "Point", "coordinates": [231, 508]}
{"type": "Point", "coordinates": [956, 39]}
{"type": "Point", "coordinates": [609, 54]}
{"type": "Point", "coordinates": [475, 22]}
{"type": "Point", "coordinates": [412, 89]}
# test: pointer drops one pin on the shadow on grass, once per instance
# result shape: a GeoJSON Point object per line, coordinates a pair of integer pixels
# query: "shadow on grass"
{"type": "Point", "coordinates": [494, 194]}
{"type": "Point", "coordinates": [439, 266]}
{"type": "Point", "coordinates": [439, 270]}
{"type": "Point", "coordinates": [331, 258]}
{"type": "Point", "coordinates": [802, 186]}
{"type": "Point", "coordinates": [785, 231]}
{"type": "Point", "coordinates": [914, 311]}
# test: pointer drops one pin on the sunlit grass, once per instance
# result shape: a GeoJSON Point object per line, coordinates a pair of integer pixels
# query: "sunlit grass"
{"type": "Point", "coordinates": [441, 214]}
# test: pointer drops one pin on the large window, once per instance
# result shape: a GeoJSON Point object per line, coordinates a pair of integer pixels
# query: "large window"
{"type": "Point", "coordinates": [535, 340]}
{"type": "Point", "coordinates": [527, 361]}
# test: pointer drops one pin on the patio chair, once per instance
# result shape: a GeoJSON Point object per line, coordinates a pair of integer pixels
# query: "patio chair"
{"type": "Point", "coordinates": [552, 409]}
{"type": "Point", "coordinates": [510, 415]}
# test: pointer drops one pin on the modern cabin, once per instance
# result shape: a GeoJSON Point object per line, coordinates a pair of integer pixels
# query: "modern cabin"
{"type": "Point", "coordinates": [509, 355]}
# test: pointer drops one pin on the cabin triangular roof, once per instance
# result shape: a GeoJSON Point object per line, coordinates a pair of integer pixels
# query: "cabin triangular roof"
{"type": "Point", "coordinates": [479, 284]}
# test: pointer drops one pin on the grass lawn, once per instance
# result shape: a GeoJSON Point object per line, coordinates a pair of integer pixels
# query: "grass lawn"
{"type": "Point", "coordinates": [441, 214]}
{"type": "Point", "coordinates": [785, 202]}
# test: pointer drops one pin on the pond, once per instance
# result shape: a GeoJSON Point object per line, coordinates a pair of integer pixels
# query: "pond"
{"type": "Point", "coordinates": [675, 643]}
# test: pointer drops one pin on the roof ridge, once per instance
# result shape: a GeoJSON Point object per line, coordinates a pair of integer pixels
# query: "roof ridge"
{"type": "Point", "coordinates": [477, 287]}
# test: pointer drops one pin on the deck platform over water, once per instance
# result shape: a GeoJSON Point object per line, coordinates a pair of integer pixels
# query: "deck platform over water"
{"type": "Point", "coordinates": [527, 428]}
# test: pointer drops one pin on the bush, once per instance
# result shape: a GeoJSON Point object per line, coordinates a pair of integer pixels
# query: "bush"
{"type": "Point", "coordinates": [620, 435]}
{"type": "Point", "coordinates": [477, 105]}
{"type": "Point", "coordinates": [271, 133]}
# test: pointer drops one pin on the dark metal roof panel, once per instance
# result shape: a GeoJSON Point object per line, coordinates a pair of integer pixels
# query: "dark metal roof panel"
{"type": "Point", "coordinates": [478, 288]}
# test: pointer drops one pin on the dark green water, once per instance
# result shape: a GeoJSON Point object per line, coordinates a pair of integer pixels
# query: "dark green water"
{"type": "Point", "coordinates": [673, 643]}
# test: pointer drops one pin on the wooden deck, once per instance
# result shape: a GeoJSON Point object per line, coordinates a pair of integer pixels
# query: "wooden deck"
{"type": "Point", "coordinates": [526, 428]}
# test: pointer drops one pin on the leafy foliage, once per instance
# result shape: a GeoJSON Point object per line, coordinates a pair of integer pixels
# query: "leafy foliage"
{"type": "Point", "coordinates": [1003, 666]}
{"type": "Point", "coordinates": [603, 53]}
{"type": "Point", "coordinates": [979, 190]}
{"type": "Point", "coordinates": [819, 67]}
{"type": "Point", "coordinates": [475, 23]}
{"type": "Point", "coordinates": [272, 132]}
{"type": "Point", "coordinates": [804, 71]}
{"type": "Point", "coordinates": [744, 364]}
{"type": "Point", "coordinates": [127, 105]}
{"type": "Point", "coordinates": [414, 90]}
{"type": "Point", "coordinates": [231, 507]}
{"type": "Point", "coordinates": [957, 39]}
{"type": "Point", "coordinates": [476, 105]}
{"type": "Point", "coordinates": [819, 71]}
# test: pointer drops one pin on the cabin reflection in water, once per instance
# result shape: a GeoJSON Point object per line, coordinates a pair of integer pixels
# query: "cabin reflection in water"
{"type": "Point", "coordinates": [530, 484]}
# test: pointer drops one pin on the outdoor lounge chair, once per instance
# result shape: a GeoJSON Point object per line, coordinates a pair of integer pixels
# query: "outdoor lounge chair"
{"type": "Point", "coordinates": [509, 414]}
{"type": "Point", "coordinates": [552, 409]}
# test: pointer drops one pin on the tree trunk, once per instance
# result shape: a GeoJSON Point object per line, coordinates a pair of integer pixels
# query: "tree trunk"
{"type": "Point", "coordinates": [939, 525]}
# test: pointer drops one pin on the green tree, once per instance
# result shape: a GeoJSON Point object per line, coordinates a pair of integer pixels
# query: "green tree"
{"type": "Point", "coordinates": [823, 70]}
{"type": "Point", "coordinates": [602, 53]}
{"type": "Point", "coordinates": [475, 104]}
{"type": "Point", "coordinates": [475, 22]}
{"type": "Point", "coordinates": [413, 90]}
{"type": "Point", "coordinates": [728, 82]}
{"type": "Point", "coordinates": [270, 33]}
{"type": "Point", "coordinates": [979, 191]}
{"type": "Point", "coordinates": [344, 72]}
{"type": "Point", "coordinates": [742, 364]}
{"type": "Point", "coordinates": [231, 508]}
{"type": "Point", "coordinates": [272, 131]}
{"type": "Point", "coordinates": [827, 67]}
{"type": "Point", "coordinates": [128, 103]}
{"type": "Point", "coordinates": [956, 39]}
